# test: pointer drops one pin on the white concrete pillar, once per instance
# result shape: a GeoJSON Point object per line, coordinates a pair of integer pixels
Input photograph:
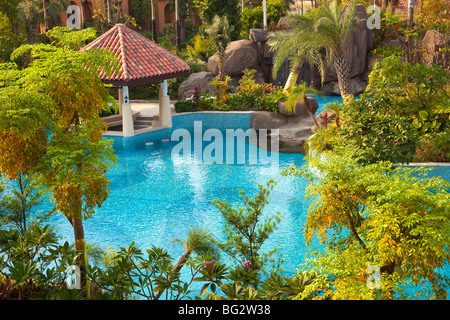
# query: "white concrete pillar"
{"type": "Point", "coordinates": [165, 114]}
{"type": "Point", "coordinates": [265, 14]}
{"type": "Point", "coordinates": [127, 115]}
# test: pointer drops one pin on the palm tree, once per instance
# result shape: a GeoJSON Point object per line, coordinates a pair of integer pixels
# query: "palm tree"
{"type": "Point", "coordinates": [336, 108]}
{"type": "Point", "coordinates": [52, 11]}
{"type": "Point", "coordinates": [322, 29]}
{"type": "Point", "coordinates": [220, 32]}
{"type": "Point", "coordinates": [198, 241]}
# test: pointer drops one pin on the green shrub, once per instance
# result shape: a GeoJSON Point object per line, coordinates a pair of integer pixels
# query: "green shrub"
{"type": "Point", "coordinates": [434, 15]}
{"type": "Point", "coordinates": [371, 134]}
{"type": "Point", "coordinates": [201, 49]}
{"type": "Point", "coordinates": [387, 51]}
{"type": "Point", "coordinates": [434, 147]}
{"type": "Point", "coordinates": [410, 89]}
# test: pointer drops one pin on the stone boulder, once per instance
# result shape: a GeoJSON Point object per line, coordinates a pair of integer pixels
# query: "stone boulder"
{"type": "Point", "coordinates": [332, 88]}
{"type": "Point", "coordinates": [432, 43]}
{"type": "Point", "coordinates": [258, 35]}
{"type": "Point", "coordinates": [240, 55]}
{"type": "Point", "coordinates": [293, 131]}
{"type": "Point", "coordinates": [300, 108]}
{"type": "Point", "coordinates": [199, 79]}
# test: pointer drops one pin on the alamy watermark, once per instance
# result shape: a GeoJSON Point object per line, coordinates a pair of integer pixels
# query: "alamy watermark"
{"type": "Point", "coordinates": [74, 17]}
{"type": "Point", "coordinates": [73, 280]}
{"type": "Point", "coordinates": [373, 17]}
{"type": "Point", "coordinates": [235, 146]}
{"type": "Point", "coordinates": [374, 277]}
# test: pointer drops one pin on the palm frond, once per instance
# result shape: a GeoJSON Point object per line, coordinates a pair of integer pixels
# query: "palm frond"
{"type": "Point", "coordinates": [315, 37]}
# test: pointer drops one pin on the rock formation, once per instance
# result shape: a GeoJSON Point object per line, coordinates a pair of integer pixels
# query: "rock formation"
{"type": "Point", "coordinates": [437, 49]}
{"type": "Point", "coordinates": [293, 131]}
{"type": "Point", "coordinates": [198, 79]}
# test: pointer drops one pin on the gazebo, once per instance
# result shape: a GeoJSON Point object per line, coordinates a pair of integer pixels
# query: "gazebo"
{"type": "Point", "coordinates": [141, 62]}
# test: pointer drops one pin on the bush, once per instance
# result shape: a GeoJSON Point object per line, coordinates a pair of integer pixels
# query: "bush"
{"type": "Point", "coordinates": [249, 96]}
{"type": "Point", "coordinates": [371, 134]}
{"type": "Point", "coordinates": [434, 147]}
{"type": "Point", "coordinates": [410, 90]}
{"type": "Point", "coordinates": [202, 48]}
{"type": "Point", "coordinates": [434, 15]}
{"type": "Point", "coordinates": [387, 51]}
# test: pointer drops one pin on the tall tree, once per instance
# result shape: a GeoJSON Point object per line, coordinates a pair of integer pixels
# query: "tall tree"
{"type": "Point", "coordinates": [308, 35]}
{"type": "Point", "coordinates": [60, 138]}
{"type": "Point", "coordinates": [394, 219]}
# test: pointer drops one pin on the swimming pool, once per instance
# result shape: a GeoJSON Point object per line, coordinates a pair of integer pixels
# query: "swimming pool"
{"type": "Point", "coordinates": [156, 197]}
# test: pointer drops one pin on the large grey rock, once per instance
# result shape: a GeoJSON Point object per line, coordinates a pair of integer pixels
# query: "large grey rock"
{"type": "Point", "coordinates": [398, 42]}
{"type": "Point", "coordinates": [432, 43]}
{"type": "Point", "coordinates": [332, 88]}
{"type": "Point", "coordinates": [201, 80]}
{"type": "Point", "coordinates": [258, 35]}
{"type": "Point", "coordinates": [293, 131]}
{"type": "Point", "coordinates": [300, 108]}
{"type": "Point", "coordinates": [370, 63]}
{"type": "Point", "coordinates": [240, 55]}
{"type": "Point", "coordinates": [356, 47]}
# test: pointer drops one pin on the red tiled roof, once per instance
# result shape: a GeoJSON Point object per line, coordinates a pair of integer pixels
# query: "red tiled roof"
{"type": "Point", "coordinates": [141, 60]}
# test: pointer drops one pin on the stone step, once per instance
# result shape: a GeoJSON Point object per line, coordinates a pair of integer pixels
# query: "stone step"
{"type": "Point", "coordinates": [140, 122]}
{"type": "Point", "coordinates": [145, 118]}
{"type": "Point", "coordinates": [140, 127]}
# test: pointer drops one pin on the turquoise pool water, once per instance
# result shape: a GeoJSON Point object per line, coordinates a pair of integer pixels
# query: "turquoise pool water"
{"type": "Point", "coordinates": [155, 197]}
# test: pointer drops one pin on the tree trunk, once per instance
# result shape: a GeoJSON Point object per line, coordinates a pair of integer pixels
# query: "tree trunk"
{"type": "Point", "coordinates": [343, 74]}
{"type": "Point", "coordinates": [44, 9]}
{"type": "Point", "coordinates": [308, 109]}
{"type": "Point", "coordinates": [154, 36]}
{"type": "Point", "coordinates": [184, 257]}
{"type": "Point", "coordinates": [181, 23]}
{"type": "Point", "coordinates": [410, 23]}
{"type": "Point", "coordinates": [82, 15]}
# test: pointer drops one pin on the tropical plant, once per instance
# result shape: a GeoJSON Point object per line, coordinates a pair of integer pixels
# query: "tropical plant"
{"type": "Point", "coordinates": [307, 36]}
{"type": "Point", "coordinates": [410, 89]}
{"type": "Point", "coordinates": [386, 51]}
{"type": "Point", "coordinates": [208, 9]}
{"type": "Point", "coordinates": [253, 18]}
{"type": "Point", "coordinates": [18, 207]}
{"type": "Point", "coordinates": [52, 11]}
{"type": "Point", "coordinates": [219, 31]}
{"type": "Point", "coordinates": [198, 241]}
{"type": "Point", "coordinates": [336, 108]}
{"type": "Point", "coordinates": [69, 156]}
{"type": "Point", "coordinates": [33, 265]}
{"type": "Point", "coordinates": [371, 133]}
{"type": "Point", "coordinates": [246, 233]}
{"type": "Point", "coordinates": [201, 49]}
{"type": "Point", "coordinates": [391, 218]}
{"type": "Point", "coordinates": [434, 147]}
